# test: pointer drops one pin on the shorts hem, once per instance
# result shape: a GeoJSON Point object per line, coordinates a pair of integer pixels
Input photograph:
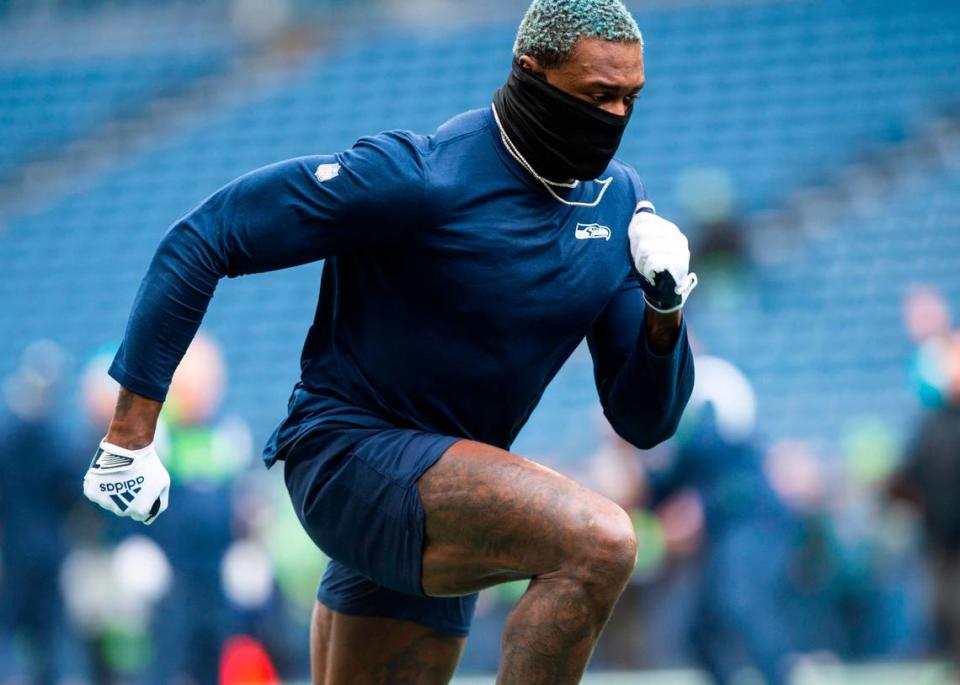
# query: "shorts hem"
{"type": "Point", "coordinates": [342, 606]}
{"type": "Point", "coordinates": [437, 449]}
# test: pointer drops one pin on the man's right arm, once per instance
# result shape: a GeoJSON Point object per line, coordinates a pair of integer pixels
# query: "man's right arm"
{"type": "Point", "coordinates": [280, 216]}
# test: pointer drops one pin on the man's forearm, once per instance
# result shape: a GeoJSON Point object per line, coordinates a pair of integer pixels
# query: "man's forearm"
{"type": "Point", "coordinates": [662, 330]}
{"type": "Point", "coordinates": [134, 420]}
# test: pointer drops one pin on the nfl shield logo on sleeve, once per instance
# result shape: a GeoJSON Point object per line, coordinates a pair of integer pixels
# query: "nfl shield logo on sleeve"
{"type": "Point", "coordinates": [325, 172]}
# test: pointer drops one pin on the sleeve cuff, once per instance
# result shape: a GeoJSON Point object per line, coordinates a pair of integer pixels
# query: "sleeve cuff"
{"type": "Point", "coordinates": [151, 391]}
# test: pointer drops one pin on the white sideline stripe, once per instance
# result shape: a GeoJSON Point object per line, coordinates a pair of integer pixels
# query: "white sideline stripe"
{"type": "Point", "coordinates": [611, 678]}
{"type": "Point", "coordinates": [808, 672]}
{"type": "Point", "coordinates": [677, 677]}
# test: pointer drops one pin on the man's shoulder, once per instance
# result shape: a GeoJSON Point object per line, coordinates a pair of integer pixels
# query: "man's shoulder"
{"type": "Point", "coordinates": [623, 172]}
{"type": "Point", "coordinates": [404, 142]}
{"type": "Point", "coordinates": [396, 142]}
{"type": "Point", "coordinates": [459, 153]}
{"type": "Point", "coordinates": [462, 127]}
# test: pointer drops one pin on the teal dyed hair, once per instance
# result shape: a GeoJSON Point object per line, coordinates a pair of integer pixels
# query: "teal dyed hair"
{"type": "Point", "coordinates": [551, 28]}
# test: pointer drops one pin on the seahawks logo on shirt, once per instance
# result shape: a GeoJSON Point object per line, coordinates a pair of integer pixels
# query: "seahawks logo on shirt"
{"type": "Point", "coordinates": [588, 231]}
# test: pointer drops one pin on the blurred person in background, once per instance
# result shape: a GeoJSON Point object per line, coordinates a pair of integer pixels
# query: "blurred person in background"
{"type": "Point", "coordinates": [882, 602]}
{"type": "Point", "coordinates": [87, 578]}
{"type": "Point", "coordinates": [853, 575]}
{"type": "Point", "coordinates": [270, 572]}
{"type": "Point", "coordinates": [927, 321]}
{"type": "Point", "coordinates": [820, 576]}
{"type": "Point", "coordinates": [112, 577]}
{"type": "Point", "coordinates": [741, 614]}
{"type": "Point", "coordinates": [37, 491]}
{"type": "Point", "coordinates": [708, 199]}
{"type": "Point", "coordinates": [208, 576]}
{"type": "Point", "coordinates": [204, 454]}
{"type": "Point", "coordinates": [461, 270]}
{"type": "Point", "coordinates": [614, 471]}
{"type": "Point", "coordinates": [929, 479]}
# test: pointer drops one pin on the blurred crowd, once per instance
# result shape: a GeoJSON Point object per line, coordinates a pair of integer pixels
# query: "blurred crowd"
{"type": "Point", "coordinates": [754, 555]}
{"type": "Point", "coordinates": [218, 590]}
{"type": "Point", "coordinates": [758, 555]}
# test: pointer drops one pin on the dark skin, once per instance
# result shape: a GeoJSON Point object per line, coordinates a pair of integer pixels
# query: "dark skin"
{"type": "Point", "coordinates": [493, 516]}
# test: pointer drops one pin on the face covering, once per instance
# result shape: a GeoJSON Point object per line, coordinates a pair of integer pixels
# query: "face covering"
{"type": "Point", "coordinates": [559, 135]}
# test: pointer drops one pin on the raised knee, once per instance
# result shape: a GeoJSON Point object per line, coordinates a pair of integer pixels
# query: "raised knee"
{"type": "Point", "coordinates": [611, 546]}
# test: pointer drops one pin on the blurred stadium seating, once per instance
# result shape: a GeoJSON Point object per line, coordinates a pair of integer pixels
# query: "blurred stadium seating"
{"type": "Point", "coordinates": [60, 80]}
{"type": "Point", "coordinates": [825, 343]}
{"type": "Point", "coordinates": [47, 104]}
{"type": "Point", "coordinates": [776, 94]}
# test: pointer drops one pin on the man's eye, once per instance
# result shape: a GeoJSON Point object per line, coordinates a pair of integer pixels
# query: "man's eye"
{"type": "Point", "coordinates": [600, 98]}
{"type": "Point", "coordinates": [630, 99]}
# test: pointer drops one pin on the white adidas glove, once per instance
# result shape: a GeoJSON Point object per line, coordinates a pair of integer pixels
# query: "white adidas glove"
{"type": "Point", "coordinates": [128, 482]}
{"type": "Point", "coordinates": [662, 258]}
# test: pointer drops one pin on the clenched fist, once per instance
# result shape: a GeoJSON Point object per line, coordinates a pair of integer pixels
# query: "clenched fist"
{"type": "Point", "coordinates": [662, 258]}
{"type": "Point", "coordinates": [128, 482]}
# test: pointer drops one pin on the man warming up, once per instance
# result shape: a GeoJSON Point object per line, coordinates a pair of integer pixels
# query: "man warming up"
{"type": "Point", "coordinates": [461, 270]}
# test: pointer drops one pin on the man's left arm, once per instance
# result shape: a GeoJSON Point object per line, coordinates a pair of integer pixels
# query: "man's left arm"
{"type": "Point", "coordinates": [643, 364]}
{"type": "Point", "coordinates": [643, 367]}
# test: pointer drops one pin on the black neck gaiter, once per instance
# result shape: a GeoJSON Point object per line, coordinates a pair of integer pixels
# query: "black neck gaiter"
{"type": "Point", "coordinates": [560, 136]}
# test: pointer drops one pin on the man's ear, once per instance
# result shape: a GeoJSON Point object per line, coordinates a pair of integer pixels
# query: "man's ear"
{"type": "Point", "coordinates": [528, 63]}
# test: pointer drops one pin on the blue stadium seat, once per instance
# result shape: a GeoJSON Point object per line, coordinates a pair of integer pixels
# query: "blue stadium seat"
{"type": "Point", "coordinates": [45, 105]}
{"type": "Point", "coordinates": [776, 94]}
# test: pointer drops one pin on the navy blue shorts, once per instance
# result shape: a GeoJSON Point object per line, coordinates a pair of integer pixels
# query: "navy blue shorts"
{"type": "Point", "coordinates": [355, 492]}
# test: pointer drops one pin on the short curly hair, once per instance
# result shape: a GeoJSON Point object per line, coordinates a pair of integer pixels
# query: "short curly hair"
{"type": "Point", "coordinates": [551, 28]}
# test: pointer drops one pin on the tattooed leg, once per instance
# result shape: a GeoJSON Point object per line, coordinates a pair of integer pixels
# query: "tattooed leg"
{"type": "Point", "coordinates": [367, 650]}
{"type": "Point", "coordinates": [492, 516]}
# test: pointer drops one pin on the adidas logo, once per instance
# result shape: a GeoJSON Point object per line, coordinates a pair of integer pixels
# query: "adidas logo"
{"type": "Point", "coordinates": [125, 491]}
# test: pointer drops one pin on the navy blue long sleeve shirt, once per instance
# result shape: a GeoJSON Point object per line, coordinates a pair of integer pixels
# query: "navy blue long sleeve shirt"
{"type": "Point", "coordinates": [453, 290]}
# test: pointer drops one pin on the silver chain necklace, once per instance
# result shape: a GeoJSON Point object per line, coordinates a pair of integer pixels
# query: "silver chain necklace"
{"type": "Point", "coordinates": [548, 184]}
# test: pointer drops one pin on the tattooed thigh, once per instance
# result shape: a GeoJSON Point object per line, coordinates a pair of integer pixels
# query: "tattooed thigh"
{"type": "Point", "coordinates": [493, 516]}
